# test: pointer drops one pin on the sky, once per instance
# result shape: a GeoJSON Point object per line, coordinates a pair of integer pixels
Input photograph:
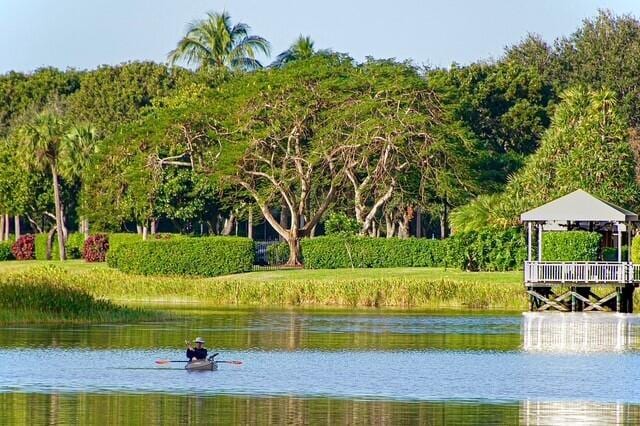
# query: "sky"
{"type": "Point", "coordinates": [83, 34]}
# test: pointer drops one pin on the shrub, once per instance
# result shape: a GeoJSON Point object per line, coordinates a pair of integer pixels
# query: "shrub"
{"type": "Point", "coordinates": [635, 250]}
{"type": "Point", "coordinates": [96, 247]}
{"type": "Point", "coordinates": [207, 256]}
{"type": "Point", "coordinates": [117, 239]}
{"type": "Point", "coordinates": [24, 248]}
{"type": "Point", "coordinates": [571, 245]}
{"type": "Point", "coordinates": [341, 224]}
{"type": "Point", "coordinates": [610, 254]}
{"type": "Point", "coordinates": [365, 252]}
{"type": "Point", "coordinates": [5, 251]}
{"type": "Point", "coordinates": [486, 250]}
{"type": "Point", "coordinates": [73, 246]}
{"type": "Point", "coordinates": [277, 253]}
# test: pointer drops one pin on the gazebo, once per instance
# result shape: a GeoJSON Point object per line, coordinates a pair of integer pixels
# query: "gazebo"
{"type": "Point", "coordinates": [574, 211]}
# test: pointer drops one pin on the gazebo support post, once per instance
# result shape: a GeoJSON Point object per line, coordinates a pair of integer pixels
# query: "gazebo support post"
{"type": "Point", "coordinates": [540, 242]}
{"type": "Point", "coordinates": [529, 235]}
{"type": "Point", "coordinates": [619, 242]}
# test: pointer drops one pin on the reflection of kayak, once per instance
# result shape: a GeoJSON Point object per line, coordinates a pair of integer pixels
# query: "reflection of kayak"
{"type": "Point", "coordinates": [201, 365]}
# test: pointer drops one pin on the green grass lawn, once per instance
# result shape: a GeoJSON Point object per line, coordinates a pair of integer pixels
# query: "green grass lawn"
{"type": "Point", "coordinates": [429, 288]}
{"type": "Point", "coordinates": [288, 275]}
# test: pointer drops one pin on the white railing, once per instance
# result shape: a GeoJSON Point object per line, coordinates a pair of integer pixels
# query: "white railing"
{"type": "Point", "coordinates": [580, 272]}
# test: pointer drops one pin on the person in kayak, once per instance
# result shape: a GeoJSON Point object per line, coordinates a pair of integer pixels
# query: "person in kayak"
{"type": "Point", "coordinates": [197, 353]}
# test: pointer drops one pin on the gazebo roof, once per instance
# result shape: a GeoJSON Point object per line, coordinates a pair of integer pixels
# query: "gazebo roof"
{"type": "Point", "coordinates": [579, 206]}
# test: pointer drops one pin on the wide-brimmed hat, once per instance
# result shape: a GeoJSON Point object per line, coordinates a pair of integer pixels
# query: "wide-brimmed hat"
{"type": "Point", "coordinates": [199, 340]}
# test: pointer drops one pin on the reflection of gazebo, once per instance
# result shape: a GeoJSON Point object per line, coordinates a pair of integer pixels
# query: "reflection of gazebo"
{"type": "Point", "coordinates": [579, 210]}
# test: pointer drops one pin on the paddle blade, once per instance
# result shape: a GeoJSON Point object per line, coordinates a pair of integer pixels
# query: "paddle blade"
{"type": "Point", "coordinates": [163, 361]}
{"type": "Point", "coordinates": [230, 362]}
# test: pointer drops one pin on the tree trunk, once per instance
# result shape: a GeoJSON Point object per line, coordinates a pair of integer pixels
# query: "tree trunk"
{"type": "Point", "coordinates": [250, 225]}
{"type": "Point", "coordinates": [145, 231]}
{"type": "Point", "coordinates": [418, 223]}
{"type": "Point", "coordinates": [444, 219]}
{"type": "Point", "coordinates": [284, 218]}
{"type": "Point", "coordinates": [139, 229]}
{"type": "Point", "coordinates": [7, 227]}
{"type": "Point", "coordinates": [229, 224]}
{"type": "Point", "coordinates": [17, 226]}
{"type": "Point", "coordinates": [391, 226]}
{"type": "Point", "coordinates": [154, 226]}
{"type": "Point", "coordinates": [295, 253]}
{"type": "Point", "coordinates": [50, 243]}
{"type": "Point", "coordinates": [59, 223]}
{"type": "Point", "coordinates": [85, 227]}
{"type": "Point", "coordinates": [1, 227]}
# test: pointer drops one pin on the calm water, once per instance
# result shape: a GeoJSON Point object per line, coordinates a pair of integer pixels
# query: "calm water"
{"type": "Point", "coordinates": [329, 367]}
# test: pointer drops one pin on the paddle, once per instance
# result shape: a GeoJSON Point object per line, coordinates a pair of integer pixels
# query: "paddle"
{"type": "Point", "coordinates": [166, 361]}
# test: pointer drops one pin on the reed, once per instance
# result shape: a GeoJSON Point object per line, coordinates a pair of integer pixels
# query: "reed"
{"type": "Point", "coordinates": [417, 287]}
{"type": "Point", "coordinates": [38, 297]}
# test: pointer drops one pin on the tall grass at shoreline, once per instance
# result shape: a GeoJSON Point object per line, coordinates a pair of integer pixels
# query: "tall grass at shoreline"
{"type": "Point", "coordinates": [410, 288]}
{"type": "Point", "coordinates": [43, 297]}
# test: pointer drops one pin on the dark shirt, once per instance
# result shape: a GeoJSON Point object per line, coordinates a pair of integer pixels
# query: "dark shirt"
{"type": "Point", "coordinates": [197, 353]}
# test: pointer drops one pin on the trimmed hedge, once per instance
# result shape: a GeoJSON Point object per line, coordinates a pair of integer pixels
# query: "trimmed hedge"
{"type": "Point", "coordinates": [5, 250]}
{"type": "Point", "coordinates": [571, 245]}
{"type": "Point", "coordinates": [635, 250]}
{"type": "Point", "coordinates": [366, 252]}
{"type": "Point", "coordinates": [74, 246]}
{"type": "Point", "coordinates": [206, 256]}
{"type": "Point", "coordinates": [486, 250]}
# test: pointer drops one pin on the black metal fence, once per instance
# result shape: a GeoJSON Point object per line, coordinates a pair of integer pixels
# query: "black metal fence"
{"type": "Point", "coordinates": [269, 261]}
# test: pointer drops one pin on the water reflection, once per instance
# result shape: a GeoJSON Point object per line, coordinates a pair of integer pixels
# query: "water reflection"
{"type": "Point", "coordinates": [578, 413]}
{"type": "Point", "coordinates": [580, 332]}
{"type": "Point", "coordinates": [152, 409]}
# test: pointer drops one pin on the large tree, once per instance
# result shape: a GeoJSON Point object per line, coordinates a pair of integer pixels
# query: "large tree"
{"type": "Point", "coordinates": [586, 147]}
{"type": "Point", "coordinates": [215, 42]}
{"type": "Point", "coordinates": [44, 145]}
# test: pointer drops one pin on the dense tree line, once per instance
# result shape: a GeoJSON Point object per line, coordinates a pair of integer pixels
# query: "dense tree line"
{"type": "Point", "coordinates": [316, 135]}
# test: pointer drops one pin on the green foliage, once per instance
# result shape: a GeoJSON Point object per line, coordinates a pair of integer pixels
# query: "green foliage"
{"type": "Point", "coordinates": [340, 224]}
{"type": "Point", "coordinates": [118, 239]}
{"type": "Point", "coordinates": [486, 250]}
{"type": "Point", "coordinates": [5, 250]}
{"type": "Point", "coordinates": [635, 250]}
{"type": "Point", "coordinates": [207, 256]}
{"type": "Point", "coordinates": [586, 147]}
{"type": "Point", "coordinates": [278, 253]}
{"type": "Point", "coordinates": [74, 246]}
{"type": "Point", "coordinates": [610, 254]}
{"type": "Point", "coordinates": [571, 245]}
{"type": "Point", "coordinates": [364, 252]}
{"type": "Point", "coordinates": [45, 296]}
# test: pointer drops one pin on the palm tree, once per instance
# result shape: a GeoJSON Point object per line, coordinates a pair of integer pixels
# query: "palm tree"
{"type": "Point", "coordinates": [215, 42]}
{"type": "Point", "coordinates": [80, 144]}
{"type": "Point", "coordinates": [44, 139]}
{"type": "Point", "coordinates": [302, 48]}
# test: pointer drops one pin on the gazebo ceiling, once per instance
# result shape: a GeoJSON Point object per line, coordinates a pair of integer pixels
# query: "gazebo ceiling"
{"type": "Point", "coordinates": [579, 206]}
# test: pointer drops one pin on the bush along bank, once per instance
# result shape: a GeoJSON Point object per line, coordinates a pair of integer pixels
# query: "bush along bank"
{"type": "Point", "coordinates": [486, 250]}
{"type": "Point", "coordinates": [571, 246]}
{"type": "Point", "coordinates": [206, 256]}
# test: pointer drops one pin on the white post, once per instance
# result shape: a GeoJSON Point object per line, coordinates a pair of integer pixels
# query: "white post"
{"type": "Point", "coordinates": [540, 242]}
{"type": "Point", "coordinates": [529, 251]}
{"type": "Point", "coordinates": [629, 225]}
{"type": "Point", "coordinates": [619, 242]}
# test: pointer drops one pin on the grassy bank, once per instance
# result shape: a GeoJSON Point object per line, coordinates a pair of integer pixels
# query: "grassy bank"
{"type": "Point", "coordinates": [30, 297]}
{"type": "Point", "coordinates": [394, 287]}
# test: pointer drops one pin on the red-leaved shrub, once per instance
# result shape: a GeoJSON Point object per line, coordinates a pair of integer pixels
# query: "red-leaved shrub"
{"type": "Point", "coordinates": [24, 248]}
{"type": "Point", "coordinates": [96, 247]}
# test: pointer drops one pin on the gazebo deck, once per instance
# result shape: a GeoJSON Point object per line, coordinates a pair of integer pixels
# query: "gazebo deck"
{"type": "Point", "coordinates": [580, 273]}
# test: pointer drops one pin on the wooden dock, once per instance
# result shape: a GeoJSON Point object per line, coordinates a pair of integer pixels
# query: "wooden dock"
{"type": "Point", "coordinates": [581, 286]}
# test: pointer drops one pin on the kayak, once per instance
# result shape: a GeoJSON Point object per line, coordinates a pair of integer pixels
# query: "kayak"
{"type": "Point", "coordinates": [201, 365]}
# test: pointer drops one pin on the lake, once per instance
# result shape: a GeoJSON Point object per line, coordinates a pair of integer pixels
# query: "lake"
{"type": "Point", "coordinates": [328, 367]}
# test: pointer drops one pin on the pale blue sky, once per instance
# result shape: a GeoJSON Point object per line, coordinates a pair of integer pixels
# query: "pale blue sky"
{"type": "Point", "coordinates": [86, 33]}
